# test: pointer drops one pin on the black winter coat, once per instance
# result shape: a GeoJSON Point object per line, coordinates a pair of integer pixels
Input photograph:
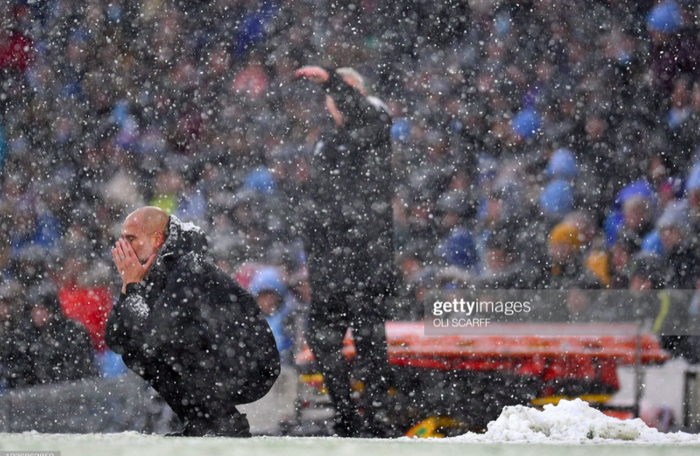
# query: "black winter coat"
{"type": "Point", "coordinates": [682, 268]}
{"type": "Point", "coordinates": [192, 332]}
{"type": "Point", "coordinates": [348, 221]}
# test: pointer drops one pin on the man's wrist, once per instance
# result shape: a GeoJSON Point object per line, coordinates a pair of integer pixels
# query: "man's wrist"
{"type": "Point", "coordinates": [327, 85]}
{"type": "Point", "coordinates": [131, 287]}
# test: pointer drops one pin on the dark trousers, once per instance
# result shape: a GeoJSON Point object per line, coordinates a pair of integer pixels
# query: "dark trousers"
{"type": "Point", "coordinates": [328, 322]}
{"type": "Point", "coordinates": [195, 397]}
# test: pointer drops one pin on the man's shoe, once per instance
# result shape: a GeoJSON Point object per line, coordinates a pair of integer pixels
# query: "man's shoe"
{"type": "Point", "coordinates": [348, 426]}
{"type": "Point", "coordinates": [381, 431]}
{"type": "Point", "coordinates": [189, 429]}
{"type": "Point", "coordinates": [234, 426]}
{"type": "Point", "coordinates": [378, 425]}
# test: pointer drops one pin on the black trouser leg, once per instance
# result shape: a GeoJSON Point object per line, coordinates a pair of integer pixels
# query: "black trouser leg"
{"type": "Point", "coordinates": [372, 367]}
{"type": "Point", "coordinates": [328, 322]}
{"type": "Point", "coordinates": [208, 408]}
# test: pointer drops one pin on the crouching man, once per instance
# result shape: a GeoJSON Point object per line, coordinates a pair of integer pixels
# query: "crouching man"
{"type": "Point", "coordinates": [189, 329]}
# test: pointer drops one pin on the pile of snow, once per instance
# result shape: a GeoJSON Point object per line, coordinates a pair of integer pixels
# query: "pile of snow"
{"type": "Point", "coordinates": [570, 422]}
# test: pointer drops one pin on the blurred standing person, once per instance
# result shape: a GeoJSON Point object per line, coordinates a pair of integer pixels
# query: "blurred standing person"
{"type": "Point", "coordinates": [348, 230]}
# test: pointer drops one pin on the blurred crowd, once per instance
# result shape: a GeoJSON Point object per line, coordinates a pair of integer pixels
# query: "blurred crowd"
{"type": "Point", "coordinates": [536, 146]}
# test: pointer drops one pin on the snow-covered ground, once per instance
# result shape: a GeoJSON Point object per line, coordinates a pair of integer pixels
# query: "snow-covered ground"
{"type": "Point", "coordinates": [573, 426]}
{"type": "Point", "coordinates": [135, 444]}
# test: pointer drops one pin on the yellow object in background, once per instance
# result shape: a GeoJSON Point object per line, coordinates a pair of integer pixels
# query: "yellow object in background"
{"type": "Point", "coordinates": [429, 427]}
{"type": "Point", "coordinates": [597, 263]}
{"type": "Point", "coordinates": [166, 202]}
{"type": "Point", "coordinates": [590, 398]}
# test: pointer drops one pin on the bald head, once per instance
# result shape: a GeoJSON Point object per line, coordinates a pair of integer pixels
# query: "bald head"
{"type": "Point", "coordinates": [145, 230]}
{"type": "Point", "coordinates": [149, 217]}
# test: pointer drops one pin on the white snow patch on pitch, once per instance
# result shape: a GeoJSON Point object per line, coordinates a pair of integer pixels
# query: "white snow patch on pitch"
{"type": "Point", "coordinates": [570, 422]}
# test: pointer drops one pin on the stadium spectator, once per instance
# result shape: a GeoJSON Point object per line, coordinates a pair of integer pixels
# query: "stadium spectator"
{"type": "Point", "coordinates": [680, 263]}
{"type": "Point", "coordinates": [269, 290]}
{"type": "Point", "coordinates": [60, 348]}
{"type": "Point", "coordinates": [39, 345]}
